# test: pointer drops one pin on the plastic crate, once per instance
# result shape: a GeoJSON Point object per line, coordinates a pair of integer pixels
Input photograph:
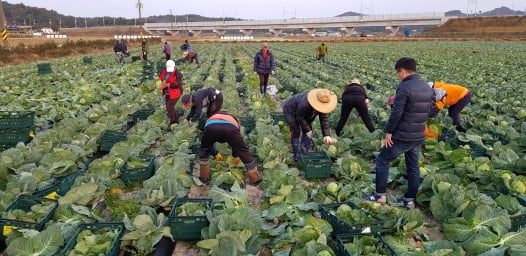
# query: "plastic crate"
{"type": "Point", "coordinates": [239, 69]}
{"type": "Point", "coordinates": [197, 86]}
{"type": "Point", "coordinates": [343, 239]}
{"type": "Point", "coordinates": [316, 165]}
{"type": "Point", "coordinates": [241, 90]}
{"type": "Point", "coordinates": [239, 78]}
{"type": "Point", "coordinates": [14, 119]}
{"type": "Point", "coordinates": [136, 58]}
{"type": "Point", "coordinates": [109, 138]}
{"type": "Point", "coordinates": [43, 68]}
{"type": "Point", "coordinates": [130, 175]}
{"type": "Point", "coordinates": [87, 60]}
{"type": "Point", "coordinates": [278, 118]}
{"type": "Point", "coordinates": [341, 227]}
{"type": "Point", "coordinates": [22, 134]}
{"type": "Point", "coordinates": [7, 145]}
{"type": "Point", "coordinates": [248, 122]}
{"type": "Point", "coordinates": [196, 144]}
{"type": "Point", "coordinates": [188, 227]}
{"type": "Point", "coordinates": [114, 249]}
{"type": "Point", "coordinates": [476, 150]}
{"type": "Point", "coordinates": [141, 114]}
{"type": "Point", "coordinates": [24, 203]}
{"type": "Point", "coordinates": [61, 185]}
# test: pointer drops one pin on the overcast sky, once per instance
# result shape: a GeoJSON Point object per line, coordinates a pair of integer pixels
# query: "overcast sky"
{"type": "Point", "coordinates": [265, 9]}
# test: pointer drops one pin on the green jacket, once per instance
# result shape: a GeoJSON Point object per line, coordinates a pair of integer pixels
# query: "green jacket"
{"type": "Point", "coordinates": [322, 50]}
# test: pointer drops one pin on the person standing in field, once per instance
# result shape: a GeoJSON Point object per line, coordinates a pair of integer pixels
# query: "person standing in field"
{"type": "Point", "coordinates": [322, 51]}
{"type": "Point", "coordinates": [167, 50]}
{"type": "Point", "coordinates": [186, 46]}
{"type": "Point", "coordinates": [172, 90]}
{"type": "Point", "coordinates": [456, 98]}
{"type": "Point", "coordinates": [405, 132]}
{"type": "Point", "coordinates": [144, 48]}
{"type": "Point", "coordinates": [264, 65]}
{"type": "Point", "coordinates": [120, 50]}
{"type": "Point", "coordinates": [354, 96]}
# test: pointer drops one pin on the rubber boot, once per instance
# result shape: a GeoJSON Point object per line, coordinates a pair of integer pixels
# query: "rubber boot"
{"type": "Point", "coordinates": [204, 171]}
{"type": "Point", "coordinates": [305, 144]}
{"type": "Point", "coordinates": [253, 177]}
{"type": "Point", "coordinates": [294, 143]}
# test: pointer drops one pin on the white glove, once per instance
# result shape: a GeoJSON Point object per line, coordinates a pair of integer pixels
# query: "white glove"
{"type": "Point", "coordinates": [328, 140]}
{"type": "Point", "coordinates": [366, 101]}
{"type": "Point", "coordinates": [255, 73]}
{"type": "Point", "coordinates": [309, 135]}
{"type": "Point", "coordinates": [273, 72]}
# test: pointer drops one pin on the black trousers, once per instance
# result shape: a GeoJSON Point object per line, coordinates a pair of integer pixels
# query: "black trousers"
{"type": "Point", "coordinates": [350, 102]}
{"type": "Point", "coordinates": [263, 82]}
{"type": "Point", "coordinates": [225, 133]}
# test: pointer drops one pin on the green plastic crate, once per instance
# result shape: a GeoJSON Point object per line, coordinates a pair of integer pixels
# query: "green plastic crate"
{"type": "Point", "coordinates": [61, 185]}
{"type": "Point", "coordinates": [114, 249]}
{"type": "Point", "coordinates": [136, 58]}
{"type": "Point", "coordinates": [239, 78]}
{"type": "Point", "coordinates": [344, 239]}
{"type": "Point", "coordinates": [141, 114]}
{"type": "Point", "coordinates": [241, 90]}
{"type": "Point", "coordinates": [14, 119]}
{"type": "Point", "coordinates": [239, 69]}
{"type": "Point", "coordinates": [44, 68]}
{"type": "Point", "coordinates": [109, 138]}
{"type": "Point", "coordinates": [278, 118]}
{"type": "Point", "coordinates": [248, 122]}
{"type": "Point", "coordinates": [476, 150]}
{"type": "Point", "coordinates": [7, 145]}
{"type": "Point", "coordinates": [24, 202]}
{"type": "Point", "coordinates": [130, 175]}
{"type": "Point", "coordinates": [188, 227]}
{"type": "Point", "coordinates": [196, 144]}
{"type": "Point", "coordinates": [87, 60]}
{"type": "Point", "coordinates": [316, 165]}
{"type": "Point", "coordinates": [341, 227]}
{"type": "Point", "coordinates": [22, 134]}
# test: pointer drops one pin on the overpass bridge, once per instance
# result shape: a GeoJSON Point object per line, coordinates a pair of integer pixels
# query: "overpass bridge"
{"type": "Point", "coordinates": [346, 24]}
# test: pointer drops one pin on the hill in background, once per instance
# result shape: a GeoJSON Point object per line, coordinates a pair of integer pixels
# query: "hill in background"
{"type": "Point", "coordinates": [502, 11]}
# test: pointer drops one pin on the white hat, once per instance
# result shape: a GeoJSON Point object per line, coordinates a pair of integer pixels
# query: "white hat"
{"type": "Point", "coordinates": [431, 84]}
{"type": "Point", "coordinates": [170, 66]}
{"type": "Point", "coordinates": [322, 100]}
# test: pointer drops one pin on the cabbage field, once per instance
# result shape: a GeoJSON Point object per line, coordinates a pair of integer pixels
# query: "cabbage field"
{"type": "Point", "coordinates": [472, 199]}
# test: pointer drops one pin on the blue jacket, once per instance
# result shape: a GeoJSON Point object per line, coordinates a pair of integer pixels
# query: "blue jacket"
{"type": "Point", "coordinates": [262, 66]}
{"type": "Point", "coordinates": [411, 108]}
{"type": "Point", "coordinates": [298, 109]}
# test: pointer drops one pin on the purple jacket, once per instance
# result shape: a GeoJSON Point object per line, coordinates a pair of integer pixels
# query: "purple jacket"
{"type": "Point", "coordinates": [167, 49]}
{"type": "Point", "coordinates": [264, 66]}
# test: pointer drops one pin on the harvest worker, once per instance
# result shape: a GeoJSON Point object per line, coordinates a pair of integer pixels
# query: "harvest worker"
{"type": "Point", "coordinates": [224, 127]}
{"type": "Point", "coordinates": [120, 50]}
{"type": "Point", "coordinates": [209, 98]}
{"type": "Point", "coordinates": [172, 89]}
{"type": "Point", "coordinates": [300, 110]}
{"type": "Point", "coordinates": [354, 96]}
{"type": "Point", "coordinates": [322, 51]}
{"type": "Point", "coordinates": [167, 50]}
{"type": "Point", "coordinates": [264, 66]}
{"type": "Point", "coordinates": [186, 46]}
{"type": "Point", "coordinates": [457, 98]}
{"type": "Point", "coordinates": [190, 56]}
{"type": "Point", "coordinates": [405, 132]}
{"type": "Point", "coordinates": [144, 49]}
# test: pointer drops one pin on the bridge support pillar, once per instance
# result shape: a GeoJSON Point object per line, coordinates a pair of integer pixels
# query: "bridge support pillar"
{"type": "Point", "coordinates": [246, 32]}
{"type": "Point", "coordinates": [219, 32]}
{"type": "Point", "coordinates": [347, 30]}
{"type": "Point", "coordinates": [172, 32]}
{"type": "Point", "coordinates": [393, 30]}
{"type": "Point", "coordinates": [195, 32]}
{"type": "Point", "coordinates": [309, 31]}
{"type": "Point", "coordinates": [275, 31]}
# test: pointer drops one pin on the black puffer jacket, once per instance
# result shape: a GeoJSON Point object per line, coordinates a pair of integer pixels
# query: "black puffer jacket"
{"type": "Point", "coordinates": [298, 111]}
{"type": "Point", "coordinates": [410, 110]}
{"type": "Point", "coordinates": [262, 65]}
{"type": "Point", "coordinates": [354, 90]}
{"type": "Point", "coordinates": [200, 99]}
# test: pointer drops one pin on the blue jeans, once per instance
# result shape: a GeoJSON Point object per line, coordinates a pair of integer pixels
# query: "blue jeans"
{"type": "Point", "coordinates": [411, 151]}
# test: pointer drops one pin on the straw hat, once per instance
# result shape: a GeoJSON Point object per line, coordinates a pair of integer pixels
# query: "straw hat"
{"type": "Point", "coordinates": [322, 100]}
{"type": "Point", "coordinates": [355, 81]}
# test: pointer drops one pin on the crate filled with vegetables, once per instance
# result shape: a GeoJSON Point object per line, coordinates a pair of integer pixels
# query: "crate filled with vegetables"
{"type": "Point", "coordinates": [59, 185]}
{"type": "Point", "coordinates": [109, 138]}
{"type": "Point", "coordinates": [316, 165]}
{"type": "Point", "coordinates": [95, 239]}
{"type": "Point", "coordinates": [196, 144]}
{"type": "Point", "coordinates": [136, 169]}
{"type": "Point", "coordinates": [188, 217]}
{"type": "Point", "coordinates": [363, 244]}
{"type": "Point", "coordinates": [278, 118]}
{"type": "Point", "coordinates": [141, 114]}
{"type": "Point", "coordinates": [16, 119]}
{"type": "Point", "coordinates": [28, 212]}
{"type": "Point", "coordinates": [348, 218]}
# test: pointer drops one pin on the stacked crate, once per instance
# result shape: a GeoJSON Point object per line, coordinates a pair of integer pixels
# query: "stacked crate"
{"type": "Point", "coordinates": [16, 127]}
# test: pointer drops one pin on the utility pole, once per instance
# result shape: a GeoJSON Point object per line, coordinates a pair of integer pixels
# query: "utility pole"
{"type": "Point", "coordinates": [139, 5]}
{"type": "Point", "coordinates": [3, 25]}
{"type": "Point", "coordinates": [75, 22]}
{"type": "Point", "coordinates": [171, 23]}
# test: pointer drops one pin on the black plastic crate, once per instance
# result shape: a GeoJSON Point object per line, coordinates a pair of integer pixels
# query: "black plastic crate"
{"type": "Point", "coordinates": [130, 175]}
{"type": "Point", "coordinates": [109, 138]}
{"type": "Point", "coordinates": [24, 203]}
{"type": "Point", "coordinates": [114, 249]}
{"type": "Point", "coordinates": [141, 114]}
{"type": "Point", "coordinates": [14, 119]}
{"type": "Point", "coordinates": [22, 134]}
{"type": "Point", "coordinates": [188, 227]}
{"type": "Point", "coordinates": [316, 165]}
{"type": "Point", "coordinates": [341, 227]}
{"type": "Point", "coordinates": [278, 118]}
{"type": "Point", "coordinates": [248, 122]}
{"type": "Point", "coordinates": [61, 185]}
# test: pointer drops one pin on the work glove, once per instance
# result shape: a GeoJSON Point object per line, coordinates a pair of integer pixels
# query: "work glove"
{"type": "Point", "coordinates": [273, 72]}
{"type": "Point", "coordinates": [218, 157]}
{"type": "Point", "coordinates": [367, 103]}
{"type": "Point", "coordinates": [328, 140]}
{"type": "Point", "coordinates": [309, 135]}
{"type": "Point", "coordinates": [186, 121]}
{"type": "Point", "coordinates": [235, 161]}
{"type": "Point", "coordinates": [255, 73]}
